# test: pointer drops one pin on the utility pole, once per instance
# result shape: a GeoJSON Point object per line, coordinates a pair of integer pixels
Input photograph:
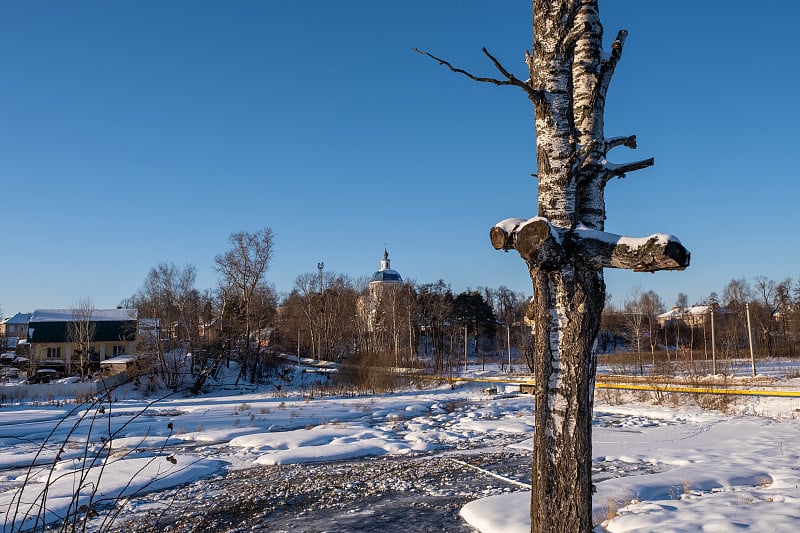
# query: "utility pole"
{"type": "Point", "coordinates": [320, 266]}
{"type": "Point", "coordinates": [466, 338]}
{"type": "Point", "coordinates": [750, 338]}
{"type": "Point", "coordinates": [713, 346]}
{"type": "Point", "coordinates": [508, 343]}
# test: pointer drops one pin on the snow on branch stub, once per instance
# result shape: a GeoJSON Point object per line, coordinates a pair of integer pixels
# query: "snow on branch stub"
{"type": "Point", "coordinates": [543, 244]}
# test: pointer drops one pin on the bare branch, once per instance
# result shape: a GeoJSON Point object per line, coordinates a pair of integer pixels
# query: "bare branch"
{"type": "Point", "coordinates": [620, 170]}
{"type": "Point", "coordinates": [510, 78]}
{"type": "Point", "coordinates": [629, 142]}
{"type": "Point", "coordinates": [462, 71]}
{"type": "Point", "coordinates": [610, 63]}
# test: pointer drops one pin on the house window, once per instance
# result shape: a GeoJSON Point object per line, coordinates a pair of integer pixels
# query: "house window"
{"type": "Point", "coordinates": [54, 353]}
{"type": "Point", "coordinates": [118, 350]}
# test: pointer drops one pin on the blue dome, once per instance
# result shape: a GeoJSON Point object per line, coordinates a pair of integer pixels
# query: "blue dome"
{"type": "Point", "coordinates": [386, 274]}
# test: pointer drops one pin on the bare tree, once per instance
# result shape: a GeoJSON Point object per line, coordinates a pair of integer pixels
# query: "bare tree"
{"type": "Point", "coordinates": [735, 297]}
{"type": "Point", "coordinates": [394, 325]}
{"type": "Point", "coordinates": [506, 304]}
{"type": "Point", "coordinates": [309, 302]}
{"type": "Point", "coordinates": [242, 269]}
{"type": "Point", "coordinates": [612, 327]}
{"type": "Point", "coordinates": [634, 313]}
{"type": "Point", "coordinates": [565, 246]}
{"type": "Point", "coordinates": [169, 297]}
{"type": "Point", "coordinates": [338, 315]}
{"type": "Point", "coordinates": [435, 308]}
{"type": "Point", "coordinates": [80, 331]}
{"type": "Point", "coordinates": [652, 306]}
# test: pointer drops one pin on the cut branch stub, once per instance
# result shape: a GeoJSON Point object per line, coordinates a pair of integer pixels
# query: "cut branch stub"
{"type": "Point", "coordinates": [503, 234]}
{"type": "Point", "coordinates": [535, 239]}
{"type": "Point", "coordinates": [501, 239]}
{"type": "Point", "coordinates": [647, 254]}
{"type": "Point", "coordinates": [538, 242]}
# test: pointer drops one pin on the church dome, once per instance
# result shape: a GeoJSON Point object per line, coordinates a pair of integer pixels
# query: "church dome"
{"type": "Point", "coordinates": [386, 274]}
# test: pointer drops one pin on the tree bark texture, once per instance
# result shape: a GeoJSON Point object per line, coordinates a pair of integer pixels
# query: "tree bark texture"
{"type": "Point", "coordinates": [566, 325]}
{"type": "Point", "coordinates": [569, 291]}
{"type": "Point", "coordinates": [566, 247]}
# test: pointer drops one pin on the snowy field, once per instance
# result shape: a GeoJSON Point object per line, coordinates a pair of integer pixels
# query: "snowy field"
{"type": "Point", "coordinates": [669, 466]}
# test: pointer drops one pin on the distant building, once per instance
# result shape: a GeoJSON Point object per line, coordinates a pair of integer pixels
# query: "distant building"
{"type": "Point", "coordinates": [383, 277]}
{"type": "Point", "coordinates": [14, 329]}
{"type": "Point", "coordinates": [692, 316]}
{"type": "Point", "coordinates": [113, 333]}
{"type": "Point", "coordinates": [382, 280]}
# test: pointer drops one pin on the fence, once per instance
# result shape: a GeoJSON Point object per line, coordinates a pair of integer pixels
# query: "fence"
{"type": "Point", "coordinates": [50, 391]}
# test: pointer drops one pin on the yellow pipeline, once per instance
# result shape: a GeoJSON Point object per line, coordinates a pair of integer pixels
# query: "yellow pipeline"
{"type": "Point", "coordinates": [699, 390]}
{"type": "Point", "coordinates": [627, 386]}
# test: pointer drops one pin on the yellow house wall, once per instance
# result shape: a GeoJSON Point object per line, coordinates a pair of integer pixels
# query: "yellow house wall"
{"type": "Point", "coordinates": [105, 350]}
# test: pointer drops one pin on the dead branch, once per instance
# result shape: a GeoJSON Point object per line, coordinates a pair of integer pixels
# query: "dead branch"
{"type": "Point", "coordinates": [647, 254]}
{"type": "Point", "coordinates": [538, 242]}
{"type": "Point", "coordinates": [610, 63]}
{"type": "Point", "coordinates": [613, 170]}
{"type": "Point", "coordinates": [510, 78]}
{"type": "Point", "coordinates": [535, 239]}
{"type": "Point", "coordinates": [629, 142]}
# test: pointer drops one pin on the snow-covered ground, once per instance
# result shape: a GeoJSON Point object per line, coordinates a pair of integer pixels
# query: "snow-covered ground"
{"type": "Point", "coordinates": [661, 467]}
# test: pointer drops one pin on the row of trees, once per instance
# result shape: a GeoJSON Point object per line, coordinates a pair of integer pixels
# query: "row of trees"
{"type": "Point", "coordinates": [764, 312]}
{"type": "Point", "coordinates": [325, 316]}
{"type": "Point", "coordinates": [230, 320]}
{"type": "Point", "coordinates": [329, 316]}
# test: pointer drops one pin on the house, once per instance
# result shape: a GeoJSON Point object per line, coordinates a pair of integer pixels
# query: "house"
{"type": "Point", "coordinates": [116, 365]}
{"type": "Point", "coordinates": [58, 334]}
{"type": "Point", "coordinates": [692, 316]}
{"type": "Point", "coordinates": [154, 330]}
{"type": "Point", "coordinates": [210, 330]}
{"type": "Point", "coordinates": [14, 329]}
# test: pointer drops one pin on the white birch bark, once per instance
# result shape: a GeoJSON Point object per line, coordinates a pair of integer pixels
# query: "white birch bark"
{"type": "Point", "coordinates": [566, 248]}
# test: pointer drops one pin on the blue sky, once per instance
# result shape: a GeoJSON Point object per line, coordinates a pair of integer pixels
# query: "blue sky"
{"type": "Point", "coordinates": [133, 133]}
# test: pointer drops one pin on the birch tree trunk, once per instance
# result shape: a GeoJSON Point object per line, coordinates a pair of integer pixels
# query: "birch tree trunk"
{"type": "Point", "coordinates": [566, 248]}
{"type": "Point", "coordinates": [571, 82]}
{"type": "Point", "coordinates": [570, 77]}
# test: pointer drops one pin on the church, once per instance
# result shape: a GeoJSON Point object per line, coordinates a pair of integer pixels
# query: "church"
{"type": "Point", "coordinates": [384, 276]}
{"type": "Point", "coordinates": [384, 279]}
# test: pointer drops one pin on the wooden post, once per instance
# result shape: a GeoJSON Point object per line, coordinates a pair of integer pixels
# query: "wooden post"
{"type": "Point", "coordinates": [713, 346]}
{"type": "Point", "coordinates": [466, 339]}
{"type": "Point", "coordinates": [508, 344]}
{"type": "Point", "coordinates": [750, 338]}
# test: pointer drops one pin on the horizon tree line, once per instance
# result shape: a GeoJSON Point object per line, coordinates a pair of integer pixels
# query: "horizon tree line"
{"type": "Point", "coordinates": [418, 324]}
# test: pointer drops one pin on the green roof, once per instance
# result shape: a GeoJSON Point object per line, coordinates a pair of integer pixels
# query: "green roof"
{"type": "Point", "coordinates": [104, 331]}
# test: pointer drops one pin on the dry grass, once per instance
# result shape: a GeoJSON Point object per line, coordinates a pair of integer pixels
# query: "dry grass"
{"type": "Point", "coordinates": [610, 511]}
